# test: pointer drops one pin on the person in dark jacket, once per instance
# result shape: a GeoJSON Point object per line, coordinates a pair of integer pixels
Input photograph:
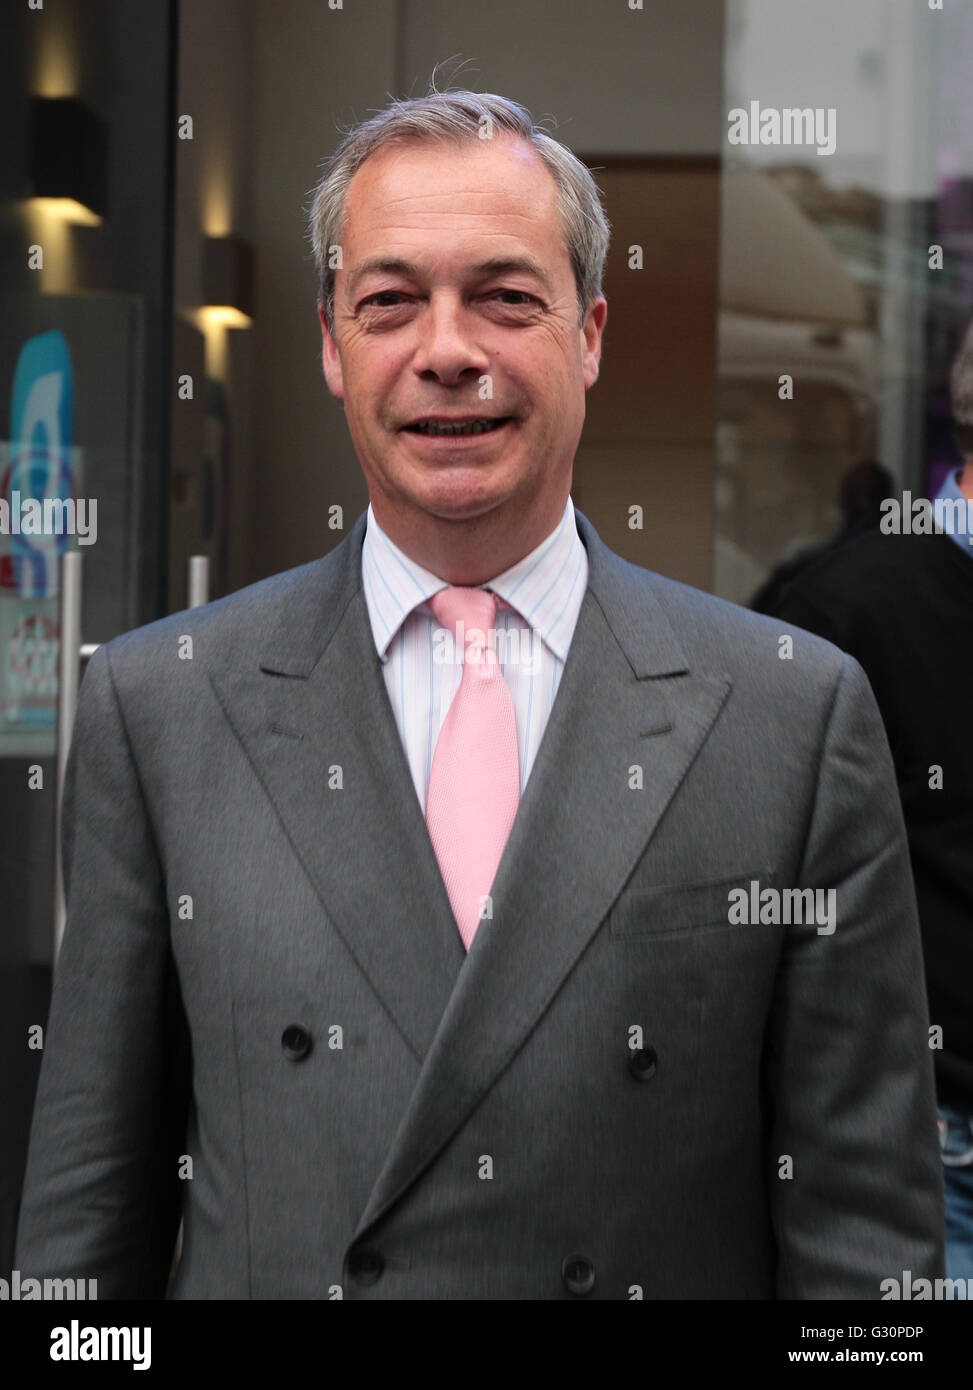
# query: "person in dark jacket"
{"type": "Point", "coordinates": [900, 600]}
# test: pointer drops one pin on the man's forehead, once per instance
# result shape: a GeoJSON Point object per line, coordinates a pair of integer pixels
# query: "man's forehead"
{"type": "Point", "coordinates": [450, 180]}
{"type": "Point", "coordinates": [398, 215]}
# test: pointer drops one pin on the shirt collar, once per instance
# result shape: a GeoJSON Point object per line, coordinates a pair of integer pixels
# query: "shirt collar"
{"type": "Point", "coordinates": [546, 586]}
{"type": "Point", "coordinates": [951, 491]}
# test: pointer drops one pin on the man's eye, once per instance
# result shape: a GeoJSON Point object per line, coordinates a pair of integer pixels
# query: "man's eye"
{"type": "Point", "coordinates": [521, 295]}
{"type": "Point", "coordinates": [390, 299]}
{"type": "Point", "coordinates": [382, 294]}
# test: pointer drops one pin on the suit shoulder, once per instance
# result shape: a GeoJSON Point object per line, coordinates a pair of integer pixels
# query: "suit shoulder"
{"type": "Point", "coordinates": [718, 634]}
{"type": "Point", "coordinates": [230, 626]}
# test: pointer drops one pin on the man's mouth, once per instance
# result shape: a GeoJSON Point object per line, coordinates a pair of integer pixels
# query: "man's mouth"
{"type": "Point", "coordinates": [472, 424]}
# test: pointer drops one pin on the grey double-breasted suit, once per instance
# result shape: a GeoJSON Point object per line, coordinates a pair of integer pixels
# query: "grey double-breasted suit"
{"type": "Point", "coordinates": [618, 1092]}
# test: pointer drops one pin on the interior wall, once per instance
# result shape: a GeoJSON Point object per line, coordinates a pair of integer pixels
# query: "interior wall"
{"type": "Point", "coordinates": [213, 432]}
{"type": "Point", "coordinates": [648, 440]}
{"type": "Point", "coordinates": [315, 65]}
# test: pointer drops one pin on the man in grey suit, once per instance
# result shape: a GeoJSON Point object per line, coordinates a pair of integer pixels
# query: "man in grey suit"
{"type": "Point", "coordinates": [675, 1046]}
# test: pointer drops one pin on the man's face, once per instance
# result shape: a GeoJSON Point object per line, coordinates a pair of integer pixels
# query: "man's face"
{"type": "Point", "coordinates": [456, 301]}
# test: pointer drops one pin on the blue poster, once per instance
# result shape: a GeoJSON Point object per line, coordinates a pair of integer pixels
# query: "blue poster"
{"type": "Point", "coordinates": [38, 469]}
{"type": "Point", "coordinates": [41, 424]}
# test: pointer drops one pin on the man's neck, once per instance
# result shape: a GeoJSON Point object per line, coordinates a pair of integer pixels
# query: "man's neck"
{"type": "Point", "coordinates": [966, 480]}
{"type": "Point", "coordinates": [471, 552]}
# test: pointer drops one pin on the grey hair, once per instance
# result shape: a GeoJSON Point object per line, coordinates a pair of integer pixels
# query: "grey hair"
{"type": "Point", "coordinates": [459, 116]}
{"type": "Point", "coordinates": [961, 394]}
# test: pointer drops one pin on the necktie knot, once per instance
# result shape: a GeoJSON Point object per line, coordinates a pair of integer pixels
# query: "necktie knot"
{"type": "Point", "coordinates": [469, 614]}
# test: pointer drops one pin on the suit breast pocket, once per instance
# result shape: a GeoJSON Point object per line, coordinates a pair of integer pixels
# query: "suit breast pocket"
{"type": "Point", "coordinates": [679, 909]}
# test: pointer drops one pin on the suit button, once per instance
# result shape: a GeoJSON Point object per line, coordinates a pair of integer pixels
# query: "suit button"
{"type": "Point", "coordinates": [296, 1042]}
{"type": "Point", "coordinates": [578, 1274]}
{"type": "Point", "coordinates": [365, 1266]}
{"type": "Point", "coordinates": [642, 1063]}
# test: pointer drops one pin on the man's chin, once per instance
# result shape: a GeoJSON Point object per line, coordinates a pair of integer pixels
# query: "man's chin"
{"type": "Point", "coordinates": [459, 508]}
{"type": "Point", "coordinates": [462, 493]}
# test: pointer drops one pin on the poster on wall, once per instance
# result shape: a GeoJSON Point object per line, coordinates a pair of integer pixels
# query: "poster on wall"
{"type": "Point", "coordinates": [71, 469]}
{"type": "Point", "coordinates": [42, 513]}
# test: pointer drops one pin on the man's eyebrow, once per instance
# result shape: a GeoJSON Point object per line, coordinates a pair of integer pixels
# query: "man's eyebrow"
{"type": "Point", "coordinates": [511, 265]}
{"type": "Point", "coordinates": [497, 265]}
{"type": "Point", "coordinates": [377, 265]}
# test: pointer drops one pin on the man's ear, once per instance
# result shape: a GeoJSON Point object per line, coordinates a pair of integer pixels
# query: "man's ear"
{"type": "Point", "coordinates": [330, 360]}
{"type": "Point", "coordinates": [591, 333]}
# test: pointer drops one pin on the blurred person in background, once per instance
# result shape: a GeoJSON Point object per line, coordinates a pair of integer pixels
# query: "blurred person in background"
{"type": "Point", "coordinates": [863, 488]}
{"type": "Point", "coordinates": [902, 605]}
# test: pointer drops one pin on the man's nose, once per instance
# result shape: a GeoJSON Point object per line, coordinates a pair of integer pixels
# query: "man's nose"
{"type": "Point", "coordinates": [447, 346]}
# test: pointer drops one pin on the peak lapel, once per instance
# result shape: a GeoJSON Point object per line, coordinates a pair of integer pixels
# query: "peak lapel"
{"type": "Point", "coordinates": [626, 698]}
{"type": "Point", "coordinates": [316, 701]}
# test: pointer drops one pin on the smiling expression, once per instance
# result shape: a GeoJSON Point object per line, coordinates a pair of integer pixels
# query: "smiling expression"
{"type": "Point", "coordinates": [457, 350]}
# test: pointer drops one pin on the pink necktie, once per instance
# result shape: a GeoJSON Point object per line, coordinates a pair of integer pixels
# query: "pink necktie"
{"type": "Point", "coordinates": [474, 785]}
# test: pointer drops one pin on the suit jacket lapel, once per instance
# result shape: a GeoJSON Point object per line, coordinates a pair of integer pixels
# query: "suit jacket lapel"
{"type": "Point", "coordinates": [317, 700]}
{"type": "Point", "coordinates": [626, 697]}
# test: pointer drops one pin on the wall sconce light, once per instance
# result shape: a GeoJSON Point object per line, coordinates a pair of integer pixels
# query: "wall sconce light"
{"type": "Point", "coordinates": [228, 281]}
{"type": "Point", "coordinates": [68, 158]}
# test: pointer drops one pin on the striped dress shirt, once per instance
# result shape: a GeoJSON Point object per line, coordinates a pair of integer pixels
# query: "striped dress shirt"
{"type": "Point", "coordinates": [541, 597]}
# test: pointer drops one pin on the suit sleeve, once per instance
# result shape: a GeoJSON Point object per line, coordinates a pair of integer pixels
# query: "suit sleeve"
{"type": "Point", "coordinates": [848, 1060]}
{"type": "Point", "coordinates": [101, 1197]}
